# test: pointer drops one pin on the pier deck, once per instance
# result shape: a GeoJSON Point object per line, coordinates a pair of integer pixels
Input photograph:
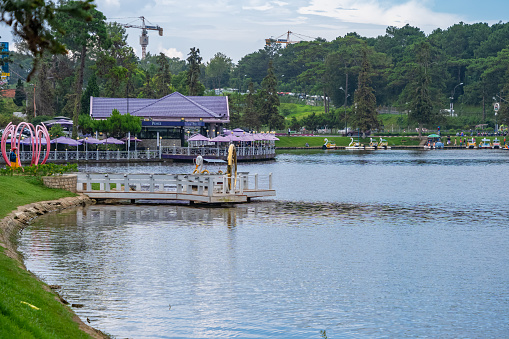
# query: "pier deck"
{"type": "Point", "coordinates": [199, 188]}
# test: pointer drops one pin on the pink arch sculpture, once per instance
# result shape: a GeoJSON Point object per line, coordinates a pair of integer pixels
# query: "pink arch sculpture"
{"type": "Point", "coordinates": [36, 134]}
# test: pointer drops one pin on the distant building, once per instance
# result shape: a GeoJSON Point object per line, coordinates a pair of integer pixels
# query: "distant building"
{"type": "Point", "coordinates": [170, 116]}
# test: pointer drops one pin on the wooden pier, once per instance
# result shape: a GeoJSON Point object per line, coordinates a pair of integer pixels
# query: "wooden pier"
{"type": "Point", "coordinates": [193, 188]}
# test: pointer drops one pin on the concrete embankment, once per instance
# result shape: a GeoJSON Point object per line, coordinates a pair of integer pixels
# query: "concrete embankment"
{"type": "Point", "coordinates": [15, 221]}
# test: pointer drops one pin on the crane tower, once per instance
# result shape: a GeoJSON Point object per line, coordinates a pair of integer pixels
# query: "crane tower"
{"type": "Point", "coordinates": [280, 40]}
{"type": "Point", "coordinates": [144, 35]}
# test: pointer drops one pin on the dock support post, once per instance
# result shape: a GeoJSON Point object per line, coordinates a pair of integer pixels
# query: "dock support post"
{"type": "Point", "coordinates": [270, 180]}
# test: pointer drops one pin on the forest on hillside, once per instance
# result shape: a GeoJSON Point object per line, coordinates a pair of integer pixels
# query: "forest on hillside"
{"type": "Point", "coordinates": [405, 69]}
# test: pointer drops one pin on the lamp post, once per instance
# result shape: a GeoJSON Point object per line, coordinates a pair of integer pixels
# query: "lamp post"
{"type": "Point", "coordinates": [344, 105]}
{"type": "Point", "coordinates": [451, 107]}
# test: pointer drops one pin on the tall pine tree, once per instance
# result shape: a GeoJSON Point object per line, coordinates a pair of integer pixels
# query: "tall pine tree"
{"type": "Point", "coordinates": [193, 73]}
{"type": "Point", "coordinates": [366, 116]}
{"type": "Point", "coordinates": [421, 105]}
{"type": "Point", "coordinates": [268, 101]}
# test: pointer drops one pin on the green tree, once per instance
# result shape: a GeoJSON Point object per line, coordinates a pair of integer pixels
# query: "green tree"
{"type": "Point", "coordinates": [162, 79]}
{"type": "Point", "coordinates": [56, 131]}
{"type": "Point", "coordinates": [35, 22]}
{"type": "Point", "coordinates": [20, 94]}
{"type": "Point", "coordinates": [92, 90]}
{"type": "Point", "coordinates": [218, 69]}
{"type": "Point", "coordinates": [78, 35]}
{"type": "Point", "coordinates": [268, 102]}
{"type": "Point", "coordinates": [421, 105]}
{"type": "Point", "coordinates": [193, 73]}
{"type": "Point", "coordinates": [366, 115]}
{"type": "Point", "coordinates": [251, 116]}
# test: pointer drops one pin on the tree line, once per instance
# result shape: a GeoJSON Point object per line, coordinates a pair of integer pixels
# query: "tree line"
{"type": "Point", "coordinates": [354, 76]}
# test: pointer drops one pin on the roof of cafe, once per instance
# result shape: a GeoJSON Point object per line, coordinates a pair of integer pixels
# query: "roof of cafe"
{"type": "Point", "coordinates": [171, 107]}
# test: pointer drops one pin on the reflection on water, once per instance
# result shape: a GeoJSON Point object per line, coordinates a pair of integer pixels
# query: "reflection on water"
{"type": "Point", "coordinates": [279, 269]}
{"type": "Point", "coordinates": [368, 244]}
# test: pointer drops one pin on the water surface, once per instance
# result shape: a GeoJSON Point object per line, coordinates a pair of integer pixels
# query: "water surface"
{"type": "Point", "coordinates": [380, 244]}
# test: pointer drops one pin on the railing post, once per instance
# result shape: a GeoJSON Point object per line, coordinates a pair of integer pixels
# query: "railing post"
{"type": "Point", "coordinates": [97, 154]}
{"type": "Point", "coordinates": [151, 188]}
{"type": "Point", "coordinates": [270, 180]}
{"type": "Point", "coordinates": [126, 183]}
{"type": "Point", "coordinates": [107, 183]}
{"type": "Point", "coordinates": [210, 186]}
{"type": "Point", "coordinates": [256, 181]}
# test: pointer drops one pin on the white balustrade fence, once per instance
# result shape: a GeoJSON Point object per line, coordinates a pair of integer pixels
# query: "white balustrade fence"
{"type": "Point", "coordinates": [216, 152]}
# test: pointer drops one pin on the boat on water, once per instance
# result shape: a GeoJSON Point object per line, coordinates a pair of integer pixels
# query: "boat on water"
{"type": "Point", "coordinates": [496, 144]}
{"type": "Point", "coordinates": [433, 142]}
{"type": "Point", "coordinates": [383, 144]}
{"type": "Point", "coordinates": [485, 143]}
{"type": "Point", "coordinates": [355, 145]}
{"type": "Point", "coordinates": [471, 143]}
{"type": "Point", "coordinates": [328, 144]}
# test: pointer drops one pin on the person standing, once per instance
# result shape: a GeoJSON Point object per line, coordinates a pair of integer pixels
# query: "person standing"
{"type": "Point", "coordinates": [13, 158]}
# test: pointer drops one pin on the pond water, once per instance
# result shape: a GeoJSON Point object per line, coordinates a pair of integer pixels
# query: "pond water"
{"type": "Point", "coordinates": [374, 244]}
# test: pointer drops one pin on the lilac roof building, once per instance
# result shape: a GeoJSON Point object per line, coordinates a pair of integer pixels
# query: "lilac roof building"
{"type": "Point", "coordinates": [170, 115]}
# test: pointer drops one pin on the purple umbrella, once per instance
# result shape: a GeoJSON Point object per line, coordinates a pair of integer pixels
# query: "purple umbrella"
{"type": "Point", "coordinates": [112, 140]}
{"type": "Point", "coordinates": [198, 137]}
{"type": "Point", "coordinates": [28, 141]}
{"type": "Point", "coordinates": [220, 138]}
{"type": "Point", "coordinates": [66, 141]}
{"type": "Point", "coordinates": [90, 140]}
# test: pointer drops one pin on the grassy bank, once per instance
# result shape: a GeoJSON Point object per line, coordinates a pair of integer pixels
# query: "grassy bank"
{"type": "Point", "coordinates": [20, 190]}
{"type": "Point", "coordinates": [27, 308]}
{"type": "Point", "coordinates": [317, 141]}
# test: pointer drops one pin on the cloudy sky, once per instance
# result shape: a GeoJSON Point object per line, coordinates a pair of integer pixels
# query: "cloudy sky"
{"type": "Point", "coordinates": [240, 27]}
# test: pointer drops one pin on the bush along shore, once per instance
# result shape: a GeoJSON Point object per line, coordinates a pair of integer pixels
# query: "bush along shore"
{"type": "Point", "coordinates": [28, 307]}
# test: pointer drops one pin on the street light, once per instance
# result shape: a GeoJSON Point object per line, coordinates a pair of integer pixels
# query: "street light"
{"type": "Point", "coordinates": [344, 105]}
{"type": "Point", "coordinates": [451, 107]}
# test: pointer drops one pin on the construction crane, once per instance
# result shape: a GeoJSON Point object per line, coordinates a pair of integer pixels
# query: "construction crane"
{"type": "Point", "coordinates": [144, 35]}
{"type": "Point", "coordinates": [287, 41]}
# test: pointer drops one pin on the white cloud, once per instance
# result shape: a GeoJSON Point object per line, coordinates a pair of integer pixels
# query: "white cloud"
{"type": "Point", "coordinates": [171, 52]}
{"type": "Point", "coordinates": [108, 3]}
{"type": "Point", "coordinates": [374, 13]}
{"type": "Point", "coordinates": [267, 6]}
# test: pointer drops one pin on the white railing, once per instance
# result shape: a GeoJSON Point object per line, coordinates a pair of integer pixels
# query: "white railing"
{"type": "Point", "coordinates": [196, 184]}
{"type": "Point", "coordinates": [92, 155]}
{"type": "Point", "coordinates": [216, 152]}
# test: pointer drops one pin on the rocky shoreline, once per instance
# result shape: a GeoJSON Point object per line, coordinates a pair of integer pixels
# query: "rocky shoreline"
{"type": "Point", "coordinates": [18, 219]}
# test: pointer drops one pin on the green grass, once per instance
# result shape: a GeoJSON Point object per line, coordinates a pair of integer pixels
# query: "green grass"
{"type": "Point", "coordinates": [299, 111]}
{"type": "Point", "coordinates": [21, 190]}
{"type": "Point", "coordinates": [18, 288]}
{"type": "Point", "coordinates": [318, 141]}
{"type": "Point", "coordinates": [47, 319]}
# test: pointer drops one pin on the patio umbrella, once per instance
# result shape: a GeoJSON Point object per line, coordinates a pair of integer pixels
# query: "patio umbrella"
{"type": "Point", "coordinates": [233, 137]}
{"type": "Point", "coordinates": [66, 141]}
{"type": "Point", "coordinates": [112, 140]}
{"type": "Point", "coordinates": [198, 137]}
{"type": "Point", "coordinates": [220, 138]}
{"type": "Point", "coordinates": [247, 137]}
{"type": "Point", "coordinates": [28, 141]}
{"type": "Point", "coordinates": [91, 141]}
